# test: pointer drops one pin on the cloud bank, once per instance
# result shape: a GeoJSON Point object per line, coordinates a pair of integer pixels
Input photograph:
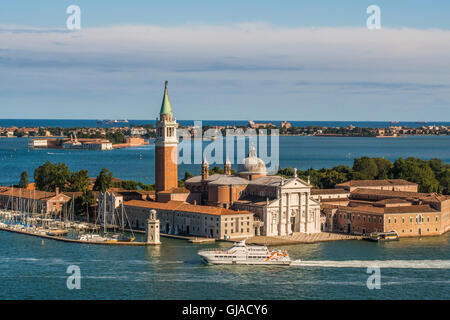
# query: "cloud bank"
{"type": "Point", "coordinates": [242, 71]}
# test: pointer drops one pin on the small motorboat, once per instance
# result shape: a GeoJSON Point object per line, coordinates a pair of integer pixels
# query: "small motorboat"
{"type": "Point", "coordinates": [384, 236]}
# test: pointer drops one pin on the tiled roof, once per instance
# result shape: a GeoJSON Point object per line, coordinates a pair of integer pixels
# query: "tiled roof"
{"type": "Point", "coordinates": [211, 178]}
{"type": "Point", "coordinates": [227, 180]}
{"type": "Point", "coordinates": [392, 201]}
{"type": "Point", "coordinates": [371, 183]}
{"type": "Point", "coordinates": [328, 191]}
{"type": "Point", "coordinates": [386, 210]}
{"type": "Point", "coordinates": [176, 190]}
{"type": "Point", "coordinates": [183, 206]}
{"type": "Point", "coordinates": [26, 194]}
{"type": "Point", "coordinates": [401, 194]}
{"type": "Point", "coordinates": [254, 200]}
{"type": "Point", "coordinates": [269, 181]}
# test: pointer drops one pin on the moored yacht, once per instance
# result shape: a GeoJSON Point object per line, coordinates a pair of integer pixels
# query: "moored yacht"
{"type": "Point", "coordinates": [241, 253]}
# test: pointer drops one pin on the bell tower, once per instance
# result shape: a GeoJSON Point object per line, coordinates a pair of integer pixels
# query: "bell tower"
{"type": "Point", "coordinates": [166, 155]}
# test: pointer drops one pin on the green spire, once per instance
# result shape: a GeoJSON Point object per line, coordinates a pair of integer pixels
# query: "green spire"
{"type": "Point", "coordinates": [165, 107]}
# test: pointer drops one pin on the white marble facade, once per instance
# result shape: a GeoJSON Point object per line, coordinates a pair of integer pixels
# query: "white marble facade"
{"type": "Point", "coordinates": [293, 210]}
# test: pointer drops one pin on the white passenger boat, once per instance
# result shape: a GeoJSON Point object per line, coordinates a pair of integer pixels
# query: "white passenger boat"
{"type": "Point", "coordinates": [241, 253]}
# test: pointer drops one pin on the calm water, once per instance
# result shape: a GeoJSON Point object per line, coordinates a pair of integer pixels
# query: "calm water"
{"type": "Point", "coordinates": [411, 268]}
{"type": "Point", "coordinates": [300, 152]}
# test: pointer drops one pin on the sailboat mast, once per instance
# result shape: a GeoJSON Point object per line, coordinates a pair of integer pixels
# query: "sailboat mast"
{"type": "Point", "coordinates": [123, 222]}
{"type": "Point", "coordinates": [104, 212]}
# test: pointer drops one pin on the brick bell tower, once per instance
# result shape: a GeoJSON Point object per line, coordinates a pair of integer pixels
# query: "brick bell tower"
{"type": "Point", "coordinates": [166, 165]}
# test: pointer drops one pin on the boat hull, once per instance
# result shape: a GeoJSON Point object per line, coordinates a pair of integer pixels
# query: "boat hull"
{"type": "Point", "coordinates": [259, 262]}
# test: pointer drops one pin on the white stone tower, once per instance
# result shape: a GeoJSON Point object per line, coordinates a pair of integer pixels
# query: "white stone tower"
{"type": "Point", "coordinates": [153, 229]}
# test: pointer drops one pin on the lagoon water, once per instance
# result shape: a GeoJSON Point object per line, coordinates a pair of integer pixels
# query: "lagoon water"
{"type": "Point", "coordinates": [410, 268]}
{"type": "Point", "coordinates": [302, 152]}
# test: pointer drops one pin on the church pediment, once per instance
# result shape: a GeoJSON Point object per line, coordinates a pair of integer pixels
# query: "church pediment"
{"type": "Point", "coordinates": [295, 183]}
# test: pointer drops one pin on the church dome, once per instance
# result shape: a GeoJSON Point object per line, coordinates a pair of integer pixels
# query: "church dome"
{"type": "Point", "coordinates": [252, 164]}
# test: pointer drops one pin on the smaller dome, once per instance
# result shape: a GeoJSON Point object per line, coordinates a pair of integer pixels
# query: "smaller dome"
{"type": "Point", "coordinates": [252, 164]}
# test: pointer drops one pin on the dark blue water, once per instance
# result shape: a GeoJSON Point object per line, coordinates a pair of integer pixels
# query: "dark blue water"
{"type": "Point", "coordinates": [301, 152]}
{"type": "Point", "coordinates": [410, 269]}
{"type": "Point", "coordinates": [93, 123]}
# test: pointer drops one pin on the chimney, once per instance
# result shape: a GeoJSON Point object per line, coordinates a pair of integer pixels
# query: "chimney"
{"type": "Point", "coordinates": [57, 190]}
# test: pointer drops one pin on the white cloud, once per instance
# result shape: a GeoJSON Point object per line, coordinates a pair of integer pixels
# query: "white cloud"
{"type": "Point", "coordinates": [235, 61]}
{"type": "Point", "coordinates": [253, 44]}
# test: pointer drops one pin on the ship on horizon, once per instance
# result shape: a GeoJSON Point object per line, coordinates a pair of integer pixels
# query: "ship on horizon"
{"type": "Point", "coordinates": [112, 121]}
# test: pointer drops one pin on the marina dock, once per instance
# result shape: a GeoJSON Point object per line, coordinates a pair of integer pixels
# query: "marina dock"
{"type": "Point", "coordinates": [300, 238]}
{"type": "Point", "coordinates": [46, 236]}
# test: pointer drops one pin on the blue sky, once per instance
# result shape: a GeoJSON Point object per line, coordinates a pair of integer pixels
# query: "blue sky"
{"type": "Point", "coordinates": [274, 60]}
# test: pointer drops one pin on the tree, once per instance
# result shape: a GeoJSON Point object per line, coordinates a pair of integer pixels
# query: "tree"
{"type": "Point", "coordinates": [79, 181]}
{"type": "Point", "coordinates": [366, 166]}
{"type": "Point", "coordinates": [187, 175]}
{"type": "Point", "coordinates": [216, 169]}
{"type": "Point", "coordinates": [330, 178]}
{"type": "Point", "coordinates": [128, 185]}
{"type": "Point", "coordinates": [23, 183]}
{"type": "Point", "coordinates": [116, 137]}
{"type": "Point", "coordinates": [83, 202]}
{"type": "Point", "coordinates": [288, 172]}
{"type": "Point", "coordinates": [87, 199]}
{"type": "Point", "coordinates": [384, 167]}
{"type": "Point", "coordinates": [418, 171]}
{"type": "Point", "coordinates": [146, 187]}
{"type": "Point", "coordinates": [437, 166]}
{"type": "Point", "coordinates": [104, 180]}
{"type": "Point", "coordinates": [444, 182]}
{"type": "Point", "coordinates": [50, 176]}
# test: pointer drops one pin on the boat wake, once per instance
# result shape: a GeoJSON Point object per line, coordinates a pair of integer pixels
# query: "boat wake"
{"type": "Point", "coordinates": [395, 264]}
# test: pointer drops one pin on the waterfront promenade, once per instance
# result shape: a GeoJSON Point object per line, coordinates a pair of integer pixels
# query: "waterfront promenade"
{"type": "Point", "coordinates": [297, 238]}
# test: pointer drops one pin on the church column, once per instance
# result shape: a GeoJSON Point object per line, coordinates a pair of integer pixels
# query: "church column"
{"type": "Point", "coordinates": [306, 211]}
{"type": "Point", "coordinates": [299, 222]}
{"type": "Point", "coordinates": [288, 208]}
{"type": "Point", "coordinates": [280, 215]}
